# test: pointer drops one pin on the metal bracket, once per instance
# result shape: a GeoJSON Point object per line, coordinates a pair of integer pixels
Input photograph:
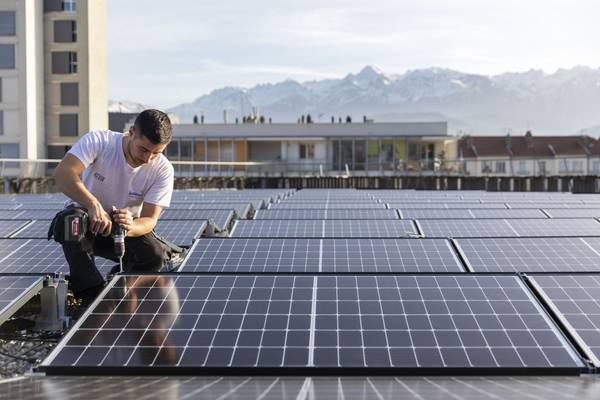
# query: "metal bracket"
{"type": "Point", "coordinates": [54, 303]}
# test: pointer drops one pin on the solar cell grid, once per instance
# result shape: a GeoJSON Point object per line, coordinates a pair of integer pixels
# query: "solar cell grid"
{"type": "Point", "coordinates": [415, 213]}
{"type": "Point", "coordinates": [278, 228]}
{"type": "Point", "coordinates": [327, 205]}
{"type": "Point", "coordinates": [575, 300]}
{"type": "Point", "coordinates": [450, 228]}
{"type": "Point", "coordinates": [9, 214]}
{"type": "Point", "coordinates": [369, 229]}
{"type": "Point", "coordinates": [573, 213]}
{"type": "Point", "coordinates": [313, 213]}
{"type": "Point", "coordinates": [529, 255]}
{"type": "Point", "coordinates": [206, 321]}
{"type": "Point", "coordinates": [321, 255]}
{"type": "Point", "coordinates": [180, 232]}
{"type": "Point", "coordinates": [35, 230]}
{"type": "Point", "coordinates": [452, 206]}
{"type": "Point", "coordinates": [38, 256]}
{"type": "Point", "coordinates": [221, 218]}
{"type": "Point", "coordinates": [14, 292]}
{"type": "Point", "coordinates": [7, 228]}
{"type": "Point", "coordinates": [509, 214]}
{"type": "Point", "coordinates": [556, 227]}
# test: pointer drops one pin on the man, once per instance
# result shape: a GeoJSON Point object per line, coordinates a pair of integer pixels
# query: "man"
{"type": "Point", "coordinates": [127, 180]}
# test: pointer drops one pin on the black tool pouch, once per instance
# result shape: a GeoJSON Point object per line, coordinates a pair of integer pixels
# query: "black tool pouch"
{"type": "Point", "coordinates": [58, 229]}
{"type": "Point", "coordinates": [169, 249]}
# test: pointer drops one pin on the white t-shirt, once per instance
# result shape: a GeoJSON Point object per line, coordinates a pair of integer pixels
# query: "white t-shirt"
{"type": "Point", "coordinates": [114, 182]}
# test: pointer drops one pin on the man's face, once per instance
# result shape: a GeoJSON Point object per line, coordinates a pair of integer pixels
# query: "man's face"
{"type": "Point", "coordinates": [142, 150]}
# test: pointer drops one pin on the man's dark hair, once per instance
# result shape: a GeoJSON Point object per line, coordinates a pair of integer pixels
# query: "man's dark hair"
{"type": "Point", "coordinates": [155, 125]}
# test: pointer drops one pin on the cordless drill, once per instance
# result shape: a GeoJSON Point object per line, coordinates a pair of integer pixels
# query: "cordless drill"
{"type": "Point", "coordinates": [118, 235]}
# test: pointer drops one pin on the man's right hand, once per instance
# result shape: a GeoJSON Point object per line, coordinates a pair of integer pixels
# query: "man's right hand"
{"type": "Point", "coordinates": [100, 221]}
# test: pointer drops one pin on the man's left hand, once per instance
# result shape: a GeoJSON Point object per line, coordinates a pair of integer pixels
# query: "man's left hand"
{"type": "Point", "coordinates": [123, 217]}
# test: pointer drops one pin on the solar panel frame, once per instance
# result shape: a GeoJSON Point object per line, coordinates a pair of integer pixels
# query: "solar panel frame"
{"type": "Point", "coordinates": [15, 291]}
{"type": "Point", "coordinates": [556, 227]}
{"type": "Point", "coordinates": [365, 331]}
{"type": "Point", "coordinates": [445, 206]}
{"type": "Point", "coordinates": [327, 205]}
{"type": "Point", "coordinates": [515, 213]}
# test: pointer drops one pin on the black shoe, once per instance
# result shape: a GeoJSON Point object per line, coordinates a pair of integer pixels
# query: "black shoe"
{"type": "Point", "coordinates": [89, 295]}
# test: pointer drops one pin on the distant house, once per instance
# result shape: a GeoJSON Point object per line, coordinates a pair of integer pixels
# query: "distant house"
{"type": "Point", "coordinates": [529, 155]}
{"type": "Point", "coordinates": [364, 148]}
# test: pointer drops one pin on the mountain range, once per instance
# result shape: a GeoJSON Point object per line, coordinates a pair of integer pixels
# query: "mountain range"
{"type": "Point", "coordinates": [564, 102]}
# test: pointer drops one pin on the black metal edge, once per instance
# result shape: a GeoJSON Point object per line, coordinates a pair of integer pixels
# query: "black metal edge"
{"type": "Point", "coordinates": [565, 330]}
{"type": "Point", "coordinates": [312, 371]}
{"type": "Point", "coordinates": [461, 256]}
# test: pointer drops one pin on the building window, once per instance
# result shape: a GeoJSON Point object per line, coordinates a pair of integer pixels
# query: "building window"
{"type": "Point", "coordinates": [1, 122]}
{"type": "Point", "coordinates": [542, 166]}
{"type": "Point", "coordinates": [7, 23]}
{"type": "Point", "coordinates": [307, 151]}
{"type": "Point", "coordinates": [65, 31]}
{"type": "Point", "coordinates": [64, 62]}
{"type": "Point", "coordinates": [69, 94]}
{"type": "Point", "coordinates": [7, 56]}
{"type": "Point", "coordinates": [486, 167]}
{"type": "Point", "coordinates": [10, 150]}
{"type": "Point", "coordinates": [68, 5]}
{"type": "Point", "coordinates": [500, 167]}
{"type": "Point", "coordinates": [563, 166]}
{"type": "Point", "coordinates": [577, 166]}
{"type": "Point", "coordinates": [522, 167]}
{"type": "Point", "coordinates": [68, 125]}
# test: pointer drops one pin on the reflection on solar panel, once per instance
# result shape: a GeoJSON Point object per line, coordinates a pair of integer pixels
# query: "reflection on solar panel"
{"type": "Point", "coordinates": [241, 209]}
{"type": "Point", "coordinates": [529, 255]}
{"type": "Point", "coordinates": [509, 214]}
{"type": "Point", "coordinates": [573, 213]}
{"type": "Point", "coordinates": [180, 232]}
{"type": "Point", "coordinates": [7, 228]}
{"type": "Point", "coordinates": [466, 228]}
{"type": "Point", "coordinates": [556, 227]}
{"type": "Point", "coordinates": [313, 213]}
{"type": "Point", "coordinates": [37, 214]}
{"type": "Point", "coordinates": [221, 218]}
{"type": "Point", "coordinates": [15, 291]}
{"type": "Point", "coordinates": [304, 322]}
{"type": "Point", "coordinates": [278, 228]}
{"type": "Point", "coordinates": [39, 256]}
{"type": "Point", "coordinates": [575, 300]}
{"type": "Point", "coordinates": [321, 255]}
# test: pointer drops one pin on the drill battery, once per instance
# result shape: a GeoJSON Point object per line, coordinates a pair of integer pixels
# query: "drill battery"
{"type": "Point", "coordinates": [76, 227]}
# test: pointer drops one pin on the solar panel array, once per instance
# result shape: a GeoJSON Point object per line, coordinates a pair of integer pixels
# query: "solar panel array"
{"type": "Point", "coordinates": [322, 281]}
{"type": "Point", "coordinates": [15, 291]}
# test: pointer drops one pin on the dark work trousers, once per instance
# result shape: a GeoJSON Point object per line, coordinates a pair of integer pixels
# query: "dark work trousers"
{"type": "Point", "coordinates": [142, 254]}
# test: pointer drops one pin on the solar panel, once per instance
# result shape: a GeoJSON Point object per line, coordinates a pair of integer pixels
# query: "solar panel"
{"type": "Point", "coordinates": [321, 255]}
{"type": "Point", "coordinates": [9, 214]}
{"type": "Point", "coordinates": [509, 214]}
{"type": "Point", "coordinates": [39, 256]}
{"type": "Point", "coordinates": [36, 214]}
{"type": "Point", "coordinates": [15, 291]}
{"type": "Point", "coordinates": [313, 213]}
{"type": "Point", "coordinates": [278, 228]}
{"type": "Point", "coordinates": [575, 300]}
{"type": "Point", "coordinates": [221, 218]}
{"type": "Point", "coordinates": [7, 228]}
{"type": "Point", "coordinates": [35, 230]}
{"type": "Point", "coordinates": [196, 323]}
{"type": "Point", "coordinates": [242, 209]}
{"type": "Point", "coordinates": [529, 255]}
{"type": "Point", "coordinates": [52, 206]}
{"type": "Point", "coordinates": [451, 206]}
{"type": "Point", "coordinates": [573, 213]}
{"type": "Point", "coordinates": [535, 204]}
{"type": "Point", "coordinates": [556, 227]}
{"type": "Point", "coordinates": [369, 229]}
{"type": "Point", "coordinates": [449, 228]}
{"type": "Point", "coordinates": [180, 232]}
{"type": "Point", "coordinates": [416, 213]}
{"type": "Point", "coordinates": [253, 255]}
{"type": "Point", "coordinates": [328, 205]}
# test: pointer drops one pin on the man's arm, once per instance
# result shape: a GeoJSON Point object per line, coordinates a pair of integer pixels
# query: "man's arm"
{"type": "Point", "coordinates": [139, 226]}
{"type": "Point", "coordinates": [66, 176]}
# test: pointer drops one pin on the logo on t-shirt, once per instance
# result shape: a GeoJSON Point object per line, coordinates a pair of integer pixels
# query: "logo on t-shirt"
{"type": "Point", "coordinates": [99, 177]}
{"type": "Point", "coordinates": [134, 194]}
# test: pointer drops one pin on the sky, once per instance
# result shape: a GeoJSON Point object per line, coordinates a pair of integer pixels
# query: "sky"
{"type": "Point", "coordinates": [165, 53]}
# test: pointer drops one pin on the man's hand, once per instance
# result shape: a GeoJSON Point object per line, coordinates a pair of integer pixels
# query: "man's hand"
{"type": "Point", "coordinates": [100, 222]}
{"type": "Point", "coordinates": [123, 217]}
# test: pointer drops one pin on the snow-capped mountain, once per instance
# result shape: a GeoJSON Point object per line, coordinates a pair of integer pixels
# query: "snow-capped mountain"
{"type": "Point", "coordinates": [124, 106]}
{"type": "Point", "coordinates": [562, 102]}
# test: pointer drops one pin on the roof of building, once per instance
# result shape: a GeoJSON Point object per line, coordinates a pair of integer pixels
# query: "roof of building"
{"type": "Point", "coordinates": [527, 146]}
{"type": "Point", "coordinates": [293, 130]}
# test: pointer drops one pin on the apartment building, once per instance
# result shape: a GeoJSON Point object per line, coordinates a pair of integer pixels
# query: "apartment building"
{"type": "Point", "coordinates": [52, 75]}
